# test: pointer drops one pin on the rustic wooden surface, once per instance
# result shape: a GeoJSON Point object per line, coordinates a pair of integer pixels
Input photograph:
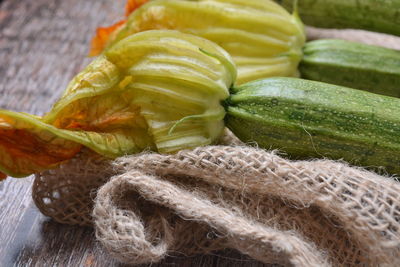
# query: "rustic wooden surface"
{"type": "Point", "coordinates": [43, 43]}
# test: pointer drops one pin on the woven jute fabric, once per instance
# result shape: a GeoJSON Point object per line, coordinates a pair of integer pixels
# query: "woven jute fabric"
{"type": "Point", "coordinates": [66, 193]}
{"type": "Point", "coordinates": [294, 213]}
{"type": "Point", "coordinates": [301, 213]}
{"type": "Point", "coordinates": [327, 212]}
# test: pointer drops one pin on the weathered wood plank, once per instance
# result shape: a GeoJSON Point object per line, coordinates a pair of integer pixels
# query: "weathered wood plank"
{"type": "Point", "coordinates": [43, 43]}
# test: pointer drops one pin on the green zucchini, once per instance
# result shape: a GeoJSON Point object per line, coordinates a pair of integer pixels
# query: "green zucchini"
{"type": "Point", "coordinates": [374, 15]}
{"type": "Point", "coordinates": [361, 66]}
{"type": "Point", "coordinates": [308, 119]}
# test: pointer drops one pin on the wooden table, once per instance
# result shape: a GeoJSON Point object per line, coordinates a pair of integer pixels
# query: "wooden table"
{"type": "Point", "coordinates": [43, 44]}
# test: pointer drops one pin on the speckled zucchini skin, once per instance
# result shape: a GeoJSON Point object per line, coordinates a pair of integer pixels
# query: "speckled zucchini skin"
{"type": "Point", "coordinates": [308, 119]}
{"type": "Point", "coordinates": [373, 15]}
{"type": "Point", "coordinates": [361, 66]}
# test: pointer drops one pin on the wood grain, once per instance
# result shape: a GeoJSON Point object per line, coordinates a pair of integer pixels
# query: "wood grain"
{"type": "Point", "coordinates": [43, 43]}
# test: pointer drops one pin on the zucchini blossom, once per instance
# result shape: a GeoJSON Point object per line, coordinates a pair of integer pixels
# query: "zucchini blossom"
{"type": "Point", "coordinates": [263, 39]}
{"type": "Point", "coordinates": [155, 90]}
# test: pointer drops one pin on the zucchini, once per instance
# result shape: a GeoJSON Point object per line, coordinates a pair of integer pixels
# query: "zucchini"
{"type": "Point", "coordinates": [309, 119]}
{"type": "Point", "coordinates": [361, 66]}
{"type": "Point", "coordinates": [158, 90]}
{"type": "Point", "coordinates": [374, 15]}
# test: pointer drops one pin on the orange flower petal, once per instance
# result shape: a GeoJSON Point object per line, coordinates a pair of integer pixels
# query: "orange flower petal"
{"type": "Point", "coordinates": [27, 147]}
{"type": "Point", "coordinates": [99, 42]}
{"type": "Point", "coordinates": [131, 5]}
{"type": "Point", "coordinates": [102, 36]}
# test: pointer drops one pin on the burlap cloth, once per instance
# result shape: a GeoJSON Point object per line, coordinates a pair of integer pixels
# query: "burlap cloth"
{"type": "Point", "coordinates": [294, 213]}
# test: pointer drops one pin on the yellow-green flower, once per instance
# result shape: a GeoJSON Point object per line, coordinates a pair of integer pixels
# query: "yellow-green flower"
{"type": "Point", "coordinates": [263, 39]}
{"type": "Point", "coordinates": [159, 90]}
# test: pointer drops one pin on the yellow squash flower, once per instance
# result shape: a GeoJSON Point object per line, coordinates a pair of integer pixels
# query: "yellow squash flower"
{"type": "Point", "coordinates": [159, 90]}
{"type": "Point", "coordinates": [263, 39]}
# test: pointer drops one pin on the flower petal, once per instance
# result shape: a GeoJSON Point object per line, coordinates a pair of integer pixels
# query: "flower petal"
{"type": "Point", "coordinates": [103, 35]}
